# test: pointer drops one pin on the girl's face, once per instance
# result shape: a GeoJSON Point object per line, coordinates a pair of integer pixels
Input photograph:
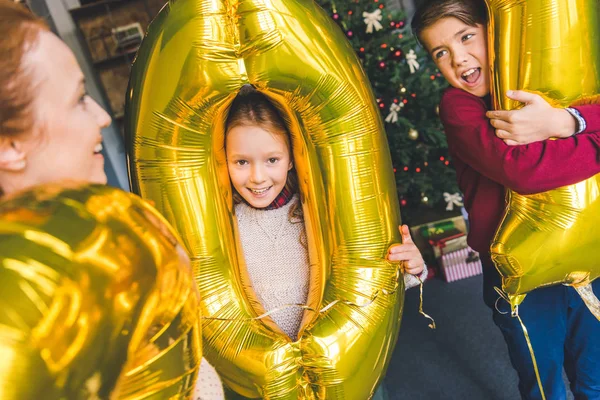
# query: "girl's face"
{"type": "Point", "coordinates": [66, 140]}
{"type": "Point", "coordinates": [258, 162]}
{"type": "Point", "coordinates": [460, 53]}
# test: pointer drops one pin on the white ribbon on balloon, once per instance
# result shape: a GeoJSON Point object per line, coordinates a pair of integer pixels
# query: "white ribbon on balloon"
{"type": "Point", "coordinates": [372, 20]}
{"type": "Point", "coordinates": [453, 200]}
{"type": "Point", "coordinates": [393, 115]}
{"type": "Point", "coordinates": [411, 60]}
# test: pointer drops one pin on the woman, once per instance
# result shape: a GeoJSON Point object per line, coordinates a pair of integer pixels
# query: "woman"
{"type": "Point", "coordinates": [50, 128]}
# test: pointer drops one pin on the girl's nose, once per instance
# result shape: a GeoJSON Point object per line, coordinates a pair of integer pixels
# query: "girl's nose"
{"type": "Point", "coordinates": [258, 174]}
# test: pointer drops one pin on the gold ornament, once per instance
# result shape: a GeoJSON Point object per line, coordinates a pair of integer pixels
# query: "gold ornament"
{"type": "Point", "coordinates": [548, 238]}
{"type": "Point", "coordinates": [97, 298]}
{"type": "Point", "coordinates": [413, 134]}
{"type": "Point", "coordinates": [195, 58]}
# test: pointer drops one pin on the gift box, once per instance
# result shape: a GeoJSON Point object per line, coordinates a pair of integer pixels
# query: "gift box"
{"type": "Point", "coordinates": [456, 259]}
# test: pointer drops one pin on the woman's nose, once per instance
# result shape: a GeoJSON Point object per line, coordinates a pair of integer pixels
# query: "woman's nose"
{"type": "Point", "coordinates": [102, 117]}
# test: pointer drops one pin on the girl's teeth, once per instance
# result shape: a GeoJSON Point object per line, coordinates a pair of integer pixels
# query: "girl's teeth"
{"type": "Point", "coordinates": [261, 191]}
{"type": "Point", "coordinates": [98, 148]}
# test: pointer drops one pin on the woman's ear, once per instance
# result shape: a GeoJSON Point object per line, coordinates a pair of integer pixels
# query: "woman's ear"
{"type": "Point", "coordinates": [291, 166]}
{"type": "Point", "coordinates": [12, 157]}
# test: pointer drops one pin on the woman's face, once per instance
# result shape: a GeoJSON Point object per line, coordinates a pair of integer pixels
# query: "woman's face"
{"type": "Point", "coordinates": [66, 139]}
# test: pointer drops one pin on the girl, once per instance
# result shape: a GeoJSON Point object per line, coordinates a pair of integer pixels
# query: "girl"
{"type": "Point", "coordinates": [50, 129]}
{"type": "Point", "coordinates": [269, 213]}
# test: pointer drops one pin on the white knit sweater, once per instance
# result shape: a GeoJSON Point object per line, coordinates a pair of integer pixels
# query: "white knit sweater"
{"type": "Point", "coordinates": [278, 263]}
{"type": "Point", "coordinates": [208, 385]}
{"type": "Point", "coordinates": [276, 260]}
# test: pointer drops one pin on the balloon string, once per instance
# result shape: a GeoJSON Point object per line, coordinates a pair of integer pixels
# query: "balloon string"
{"type": "Point", "coordinates": [589, 298]}
{"type": "Point", "coordinates": [322, 310]}
{"type": "Point", "coordinates": [421, 284]}
{"type": "Point", "coordinates": [515, 313]}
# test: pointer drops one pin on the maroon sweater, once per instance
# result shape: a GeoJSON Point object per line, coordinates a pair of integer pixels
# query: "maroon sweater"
{"type": "Point", "coordinates": [485, 165]}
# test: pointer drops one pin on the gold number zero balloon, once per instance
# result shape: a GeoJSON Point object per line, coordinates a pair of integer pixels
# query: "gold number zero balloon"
{"type": "Point", "coordinates": [97, 299]}
{"type": "Point", "coordinates": [195, 58]}
{"type": "Point", "coordinates": [549, 47]}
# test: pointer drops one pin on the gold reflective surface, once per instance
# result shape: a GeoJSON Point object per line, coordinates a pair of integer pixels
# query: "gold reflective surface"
{"type": "Point", "coordinates": [195, 58]}
{"type": "Point", "coordinates": [97, 298]}
{"type": "Point", "coordinates": [549, 47]}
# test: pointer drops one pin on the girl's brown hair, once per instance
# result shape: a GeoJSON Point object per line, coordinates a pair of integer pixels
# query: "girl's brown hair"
{"type": "Point", "coordinates": [469, 12]}
{"type": "Point", "coordinates": [19, 30]}
{"type": "Point", "coordinates": [252, 108]}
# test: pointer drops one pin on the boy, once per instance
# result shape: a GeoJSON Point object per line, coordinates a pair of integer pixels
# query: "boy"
{"type": "Point", "coordinates": [562, 331]}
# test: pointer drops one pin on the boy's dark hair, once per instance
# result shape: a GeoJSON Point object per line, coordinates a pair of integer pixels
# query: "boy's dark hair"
{"type": "Point", "coordinates": [470, 12]}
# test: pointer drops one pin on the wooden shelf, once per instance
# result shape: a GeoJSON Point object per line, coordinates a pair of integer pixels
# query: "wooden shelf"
{"type": "Point", "coordinates": [92, 9]}
{"type": "Point", "coordinates": [126, 57]}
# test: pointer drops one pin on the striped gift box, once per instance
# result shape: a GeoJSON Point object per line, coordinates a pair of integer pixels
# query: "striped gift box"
{"type": "Point", "coordinates": [460, 264]}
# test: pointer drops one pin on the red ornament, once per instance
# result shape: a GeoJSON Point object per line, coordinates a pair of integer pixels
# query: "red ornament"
{"type": "Point", "coordinates": [350, 12]}
{"type": "Point", "coordinates": [349, 33]}
{"type": "Point", "coordinates": [381, 65]}
{"type": "Point", "coordinates": [403, 202]}
{"type": "Point", "coordinates": [381, 105]}
{"type": "Point", "coordinates": [394, 170]}
{"type": "Point", "coordinates": [336, 16]}
{"type": "Point", "coordinates": [381, 6]}
{"type": "Point", "coordinates": [447, 162]}
{"type": "Point", "coordinates": [442, 158]}
{"type": "Point", "coordinates": [405, 169]}
{"type": "Point", "coordinates": [418, 169]}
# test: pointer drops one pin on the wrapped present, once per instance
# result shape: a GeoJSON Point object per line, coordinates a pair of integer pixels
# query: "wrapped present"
{"type": "Point", "coordinates": [438, 229]}
{"type": "Point", "coordinates": [460, 264]}
{"type": "Point", "coordinates": [456, 259]}
{"type": "Point", "coordinates": [454, 240]}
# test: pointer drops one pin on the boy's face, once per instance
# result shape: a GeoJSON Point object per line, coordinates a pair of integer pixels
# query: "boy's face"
{"type": "Point", "coordinates": [460, 53]}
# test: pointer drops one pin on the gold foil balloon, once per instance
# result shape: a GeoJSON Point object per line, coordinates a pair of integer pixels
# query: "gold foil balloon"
{"type": "Point", "coordinates": [195, 58]}
{"type": "Point", "coordinates": [549, 47]}
{"type": "Point", "coordinates": [97, 299]}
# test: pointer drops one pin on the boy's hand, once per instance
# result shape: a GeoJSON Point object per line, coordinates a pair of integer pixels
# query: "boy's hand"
{"type": "Point", "coordinates": [535, 122]}
{"type": "Point", "coordinates": [407, 252]}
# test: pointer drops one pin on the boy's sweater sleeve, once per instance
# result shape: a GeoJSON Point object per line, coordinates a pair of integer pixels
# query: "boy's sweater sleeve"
{"type": "Point", "coordinates": [526, 169]}
{"type": "Point", "coordinates": [591, 114]}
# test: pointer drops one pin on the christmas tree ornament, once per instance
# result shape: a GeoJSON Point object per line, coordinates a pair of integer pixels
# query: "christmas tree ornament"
{"type": "Point", "coordinates": [372, 19]}
{"type": "Point", "coordinates": [183, 81]}
{"type": "Point", "coordinates": [393, 115]}
{"type": "Point", "coordinates": [452, 200]}
{"type": "Point", "coordinates": [548, 238]}
{"type": "Point", "coordinates": [411, 60]}
{"type": "Point", "coordinates": [413, 134]}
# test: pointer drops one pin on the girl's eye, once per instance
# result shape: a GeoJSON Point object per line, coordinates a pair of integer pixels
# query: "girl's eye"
{"type": "Point", "coordinates": [467, 37]}
{"type": "Point", "coordinates": [241, 162]}
{"type": "Point", "coordinates": [273, 160]}
{"type": "Point", "coordinates": [439, 54]}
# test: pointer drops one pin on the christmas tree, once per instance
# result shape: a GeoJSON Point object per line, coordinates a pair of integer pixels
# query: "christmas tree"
{"type": "Point", "coordinates": [408, 87]}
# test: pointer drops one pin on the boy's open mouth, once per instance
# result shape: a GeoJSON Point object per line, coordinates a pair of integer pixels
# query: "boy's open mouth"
{"type": "Point", "coordinates": [471, 75]}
